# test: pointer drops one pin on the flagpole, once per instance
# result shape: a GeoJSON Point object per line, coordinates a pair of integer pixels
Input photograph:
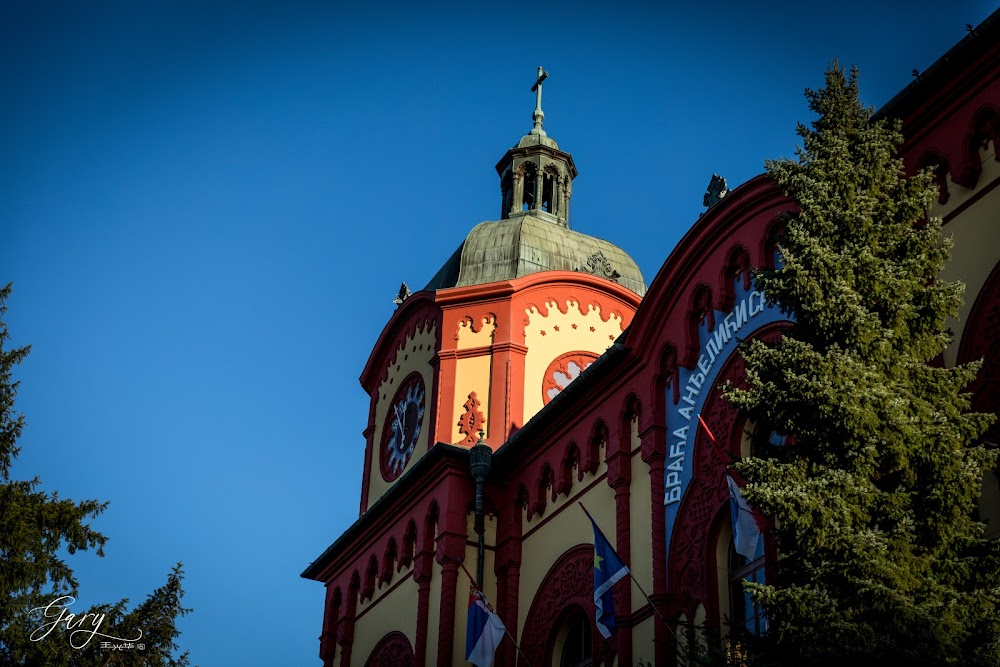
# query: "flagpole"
{"type": "Point", "coordinates": [671, 626]}
{"type": "Point", "coordinates": [472, 580]}
{"type": "Point", "coordinates": [638, 585]}
{"type": "Point", "coordinates": [732, 458]}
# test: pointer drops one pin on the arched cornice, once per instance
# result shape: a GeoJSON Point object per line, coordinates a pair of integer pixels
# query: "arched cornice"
{"type": "Point", "coordinates": [571, 460]}
{"type": "Point", "coordinates": [417, 313]}
{"type": "Point", "coordinates": [700, 312]}
{"type": "Point", "coordinates": [983, 129]}
{"type": "Point", "coordinates": [389, 558]}
{"type": "Point", "coordinates": [331, 619]}
{"type": "Point", "coordinates": [522, 498]}
{"type": "Point", "coordinates": [699, 257]}
{"type": "Point", "coordinates": [546, 481]}
{"type": "Point", "coordinates": [631, 406]}
{"type": "Point", "coordinates": [767, 251]}
{"type": "Point", "coordinates": [371, 578]}
{"type": "Point", "coordinates": [933, 160]}
{"type": "Point", "coordinates": [949, 129]}
{"type": "Point", "coordinates": [409, 544]}
{"type": "Point", "coordinates": [407, 517]}
{"type": "Point", "coordinates": [430, 526]}
{"type": "Point", "coordinates": [940, 110]}
{"type": "Point", "coordinates": [598, 437]}
{"type": "Point", "coordinates": [737, 266]}
{"type": "Point", "coordinates": [526, 284]}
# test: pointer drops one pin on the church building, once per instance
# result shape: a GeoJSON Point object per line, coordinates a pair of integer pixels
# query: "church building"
{"type": "Point", "coordinates": [541, 363]}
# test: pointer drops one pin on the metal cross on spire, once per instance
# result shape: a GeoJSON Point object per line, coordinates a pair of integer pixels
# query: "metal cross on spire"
{"type": "Point", "coordinates": [539, 115]}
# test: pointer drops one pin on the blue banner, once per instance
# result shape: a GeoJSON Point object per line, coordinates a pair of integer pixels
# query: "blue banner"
{"type": "Point", "coordinates": [750, 312]}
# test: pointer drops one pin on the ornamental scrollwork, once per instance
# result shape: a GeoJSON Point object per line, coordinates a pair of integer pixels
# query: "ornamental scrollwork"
{"type": "Point", "coordinates": [599, 265]}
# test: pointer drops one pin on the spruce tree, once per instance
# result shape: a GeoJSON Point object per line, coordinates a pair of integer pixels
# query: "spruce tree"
{"type": "Point", "coordinates": [37, 531]}
{"type": "Point", "coordinates": [880, 556]}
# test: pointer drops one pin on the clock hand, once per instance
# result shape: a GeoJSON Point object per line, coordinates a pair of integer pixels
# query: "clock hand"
{"type": "Point", "coordinates": [399, 423]}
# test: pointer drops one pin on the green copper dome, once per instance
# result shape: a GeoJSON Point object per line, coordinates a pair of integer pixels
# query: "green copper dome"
{"type": "Point", "coordinates": [520, 246]}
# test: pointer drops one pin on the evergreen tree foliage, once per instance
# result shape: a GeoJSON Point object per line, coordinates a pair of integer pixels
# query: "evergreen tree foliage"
{"type": "Point", "coordinates": [881, 559]}
{"type": "Point", "coordinates": [37, 531]}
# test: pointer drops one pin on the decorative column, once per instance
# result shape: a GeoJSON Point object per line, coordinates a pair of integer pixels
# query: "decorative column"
{"type": "Point", "coordinates": [445, 363]}
{"type": "Point", "coordinates": [328, 640]}
{"type": "Point", "coordinates": [423, 569]}
{"type": "Point", "coordinates": [539, 186]}
{"type": "Point", "coordinates": [654, 447]}
{"type": "Point", "coordinates": [620, 479]}
{"type": "Point", "coordinates": [518, 188]}
{"type": "Point", "coordinates": [506, 384]}
{"type": "Point", "coordinates": [347, 629]}
{"type": "Point", "coordinates": [508, 569]}
{"type": "Point", "coordinates": [369, 434]}
{"type": "Point", "coordinates": [451, 547]}
{"type": "Point", "coordinates": [564, 194]}
{"type": "Point", "coordinates": [327, 646]}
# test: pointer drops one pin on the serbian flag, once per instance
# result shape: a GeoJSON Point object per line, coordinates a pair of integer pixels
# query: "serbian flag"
{"type": "Point", "coordinates": [608, 570]}
{"type": "Point", "coordinates": [483, 631]}
{"type": "Point", "coordinates": [746, 532]}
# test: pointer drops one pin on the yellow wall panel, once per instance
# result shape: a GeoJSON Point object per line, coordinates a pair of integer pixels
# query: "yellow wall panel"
{"type": "Point", "coordinates": [382, 615]}
{"type": "Point", "coordinates": [582, 327]}
{"type": "Point", "coordinates": [565, 530]}
{"type": "Point", "coordinates": [471, 374]}
{"type": "Point", "coordinates": [415, 354]}
{"type": "Point", "coordinates": [469, 338]}
{"type": "Point", "coordinates": [976, 250]}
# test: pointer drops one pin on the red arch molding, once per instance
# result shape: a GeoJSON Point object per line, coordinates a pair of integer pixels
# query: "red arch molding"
{"type": "Point", "coordinates": [393, 650]}
{"type": "Point", "coordinates": [981, 340]}
{"type": "Point", "coordinates": [569, 583]}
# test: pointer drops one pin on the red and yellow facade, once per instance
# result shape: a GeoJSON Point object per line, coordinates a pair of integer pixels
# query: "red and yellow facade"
{"type": "Point", "coordinates": [503, 358]}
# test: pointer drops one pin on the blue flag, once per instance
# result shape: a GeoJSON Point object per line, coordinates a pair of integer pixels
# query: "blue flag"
{"type": "Point", "coordinates": [746, 532]}
{"type": "Point", "coordinates": [608, 569]}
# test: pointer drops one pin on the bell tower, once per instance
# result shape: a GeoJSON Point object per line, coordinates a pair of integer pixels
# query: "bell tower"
{"type": "Point", "coordinates": [519, 310]}
{"type": "Point", "coordinates": [535, 176]}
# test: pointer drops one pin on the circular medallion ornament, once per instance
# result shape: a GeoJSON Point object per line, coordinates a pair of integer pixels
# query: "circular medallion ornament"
{"type": "Point", "coordinates": [402, 427]}
{"type": "Point", "coordinates": [564, 370]}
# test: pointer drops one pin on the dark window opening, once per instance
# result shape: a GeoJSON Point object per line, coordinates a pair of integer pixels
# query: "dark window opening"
{"type": "Point", "coordinates": [548, 193]}
{"type": "Point", "coordinates": [578, 648]}
{"type": "Point", "coordinates": [528, 199]}
{"type": "Point", "coordinates": [764, 438]}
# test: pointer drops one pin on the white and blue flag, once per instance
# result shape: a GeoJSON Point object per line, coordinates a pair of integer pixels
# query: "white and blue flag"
{"type": "Point", "coordinates": [608, 570]}
{"type": "Point", "coordinates": [746, 532]}
{"type": "Point", "coordinates": [483, 631]}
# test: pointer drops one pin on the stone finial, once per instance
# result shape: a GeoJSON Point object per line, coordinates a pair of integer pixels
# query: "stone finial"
{"type": "Point", "coordinates": [717, 189]}
{"type": "Point", "coordinates": [404, 294]}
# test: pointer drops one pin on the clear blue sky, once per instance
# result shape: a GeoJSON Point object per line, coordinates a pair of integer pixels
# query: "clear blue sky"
{"type": "Point", "coordinates": [207, 208]}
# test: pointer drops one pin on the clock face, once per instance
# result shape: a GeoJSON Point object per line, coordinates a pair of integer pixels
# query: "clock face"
{"type": "Point", "coordinates": [402, 427]}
